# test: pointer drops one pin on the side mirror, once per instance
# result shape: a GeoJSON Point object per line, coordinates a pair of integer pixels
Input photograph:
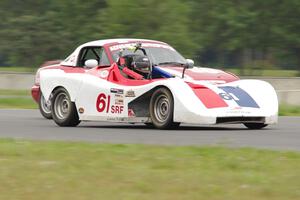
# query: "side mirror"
{"type": "Point", "coordinates": [91, 63]}
{"type": "Point", "coordinates": [189, 63]}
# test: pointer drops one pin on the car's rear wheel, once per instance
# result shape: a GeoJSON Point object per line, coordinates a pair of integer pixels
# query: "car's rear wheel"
{"type": "Point", "coordinates": [64, 111]}
{"type": "Point", "coordinates": [45, 107]}
{"type": "Point", "coordinates": [255, 125]}
{"type": "Point", "coordinates": [162, 108]}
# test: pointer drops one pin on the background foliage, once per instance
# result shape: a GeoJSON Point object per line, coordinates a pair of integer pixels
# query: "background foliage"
{"type": "Point", "coordinates": [228, 33]}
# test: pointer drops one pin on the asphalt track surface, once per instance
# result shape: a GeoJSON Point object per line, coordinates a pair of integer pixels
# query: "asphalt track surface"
{"type": "Point", "coordinates": [29, 124]}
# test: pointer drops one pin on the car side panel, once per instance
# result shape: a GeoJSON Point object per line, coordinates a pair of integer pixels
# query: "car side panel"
{"type": "Point", "coordinates": [50, 79]}
{"type": "Point", "coordinates": [99, 99]}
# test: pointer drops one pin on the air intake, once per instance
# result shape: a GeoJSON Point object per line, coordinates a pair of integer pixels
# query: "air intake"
{"type": "Point", "coordinates": [240, 120]}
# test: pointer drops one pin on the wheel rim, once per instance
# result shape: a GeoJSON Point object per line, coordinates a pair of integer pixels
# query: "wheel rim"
{"type": "Point", "coordinates": [162, 108]}
{"type": "Point", "coordinates": [46, 105]}
{"type": "Point", "coordinates": [62, 106]}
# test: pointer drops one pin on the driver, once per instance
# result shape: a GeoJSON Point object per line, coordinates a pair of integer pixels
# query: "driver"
{"type": "Point", "coordinates": [139, 64]}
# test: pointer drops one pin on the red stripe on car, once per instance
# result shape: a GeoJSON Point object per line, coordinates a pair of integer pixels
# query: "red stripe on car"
{"type": "Point", "coordinates": [208, 97]}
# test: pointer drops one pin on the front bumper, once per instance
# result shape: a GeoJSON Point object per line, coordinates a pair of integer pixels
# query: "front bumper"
{"type": "Point", "coordinates": [222, 117]}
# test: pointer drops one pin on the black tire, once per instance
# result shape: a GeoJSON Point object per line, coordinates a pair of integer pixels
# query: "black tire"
{"type": "Point", "coordinates": [64, 111]}
{"type": "Point", "coordinates": [162, 108]}
{"type": "Point", "coordinates": [45, 107]}
{"type": "Point", "coordinates": [255, 125]}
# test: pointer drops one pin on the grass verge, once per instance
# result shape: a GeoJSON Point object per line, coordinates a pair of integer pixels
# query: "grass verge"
{"type": "Point", "coordinates": [18, 103]}
{"type": "Point", "coordinates": [17, 69]}
{"type": "Point", "coordinates": [288, 110]}
{"type": "Point", "coordinates": [265, 72]}
{"type": "Point", "coordinates": [16, 99]}
{"type": "Point", "coordinates": [64, 170]}
{"type": "Point", "coordinates": [14, 92]}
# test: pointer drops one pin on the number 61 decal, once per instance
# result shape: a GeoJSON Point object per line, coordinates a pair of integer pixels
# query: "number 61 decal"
{"type": "Point", "coordinates": [103, 104]}
{"type": "Point", "coordinates": [229, 96]}
{"type": "Point", "coordinates": [241, 97]}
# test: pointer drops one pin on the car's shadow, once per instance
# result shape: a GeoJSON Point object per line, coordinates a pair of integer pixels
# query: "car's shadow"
{"type": "Point", "coordinates": [184, 127]}
{"type": "Point", "coordinates": [180, 128]}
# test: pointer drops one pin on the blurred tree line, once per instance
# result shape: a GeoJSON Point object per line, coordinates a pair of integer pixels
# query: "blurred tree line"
{"type": "Point", "coordinates": [223, 33]}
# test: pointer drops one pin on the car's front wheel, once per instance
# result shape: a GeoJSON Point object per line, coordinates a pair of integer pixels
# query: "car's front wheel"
{"type": "Point", "coordinates": [63, 109]}
{"type": "Point", "coordinates": [45, 107]}
{"type": "Point", "coordinates": [161, 109]}
{"type": "Point", "coordinates": [255, 125]}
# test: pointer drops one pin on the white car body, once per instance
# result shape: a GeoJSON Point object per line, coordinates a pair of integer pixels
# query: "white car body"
{"type": "Point", "coordinates": [240, 101]}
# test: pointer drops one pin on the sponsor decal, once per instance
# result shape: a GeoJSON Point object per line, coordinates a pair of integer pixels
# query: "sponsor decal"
{"type": "Point", "coordinates": [130, 93]}
{"type": "Point", "coordinates": [237, 108]}
{"type": "Point", "coordinates": [216, 82]}
{"type": "Point", "coordinates": [121, 46]}
{"type": "Point", "coordinates": [72, 59]}
{"type": "Point", "coordinates": [81, 110]}
{"type": "Point", "coordinates": [116, 109]}
{"type": "Point", "coordinates": [205, 70]}
{"type": "Point", "coordinates": [131, 113]}
{"type": "Point", "coordinates": [119, 101]}
{"type": "Point", "coordinates": [116, 119]}
{"type": "Point", "coordinates": [117, 91]}
{"type": "Point", "coordinates": [104, 74]}
{"type": "Point", "coordinates": [237, 112]}
{"type": "Point", "coordinates": [132, 45]}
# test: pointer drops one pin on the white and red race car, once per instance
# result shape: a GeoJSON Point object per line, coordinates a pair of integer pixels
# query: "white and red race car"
{"type": "Point", "coordinates": [137, 80]}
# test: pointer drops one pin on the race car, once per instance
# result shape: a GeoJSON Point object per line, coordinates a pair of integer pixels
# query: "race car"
{"type": "Point", "coordinates": [147, 81]}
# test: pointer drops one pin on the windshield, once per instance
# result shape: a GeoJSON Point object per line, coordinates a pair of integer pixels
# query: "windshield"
{"type": "Point", "coordinates": [161, 54]}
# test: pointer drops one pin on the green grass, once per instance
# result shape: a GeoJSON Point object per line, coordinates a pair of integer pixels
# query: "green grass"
{"type": "Point", "coordinates": [16, 99]}
{"type": "Point", "coordinates": [21, 103]}
{"type": "Point", "coordinates": [288, 110]}
{"type": "Point", "coordinates": [64, 170]}
{"type": "Point", "coordinates": [266, 72]}
{"type": "Point", "coordinates": [17, 69]}
{"type": "Point", "coordinates": [15, 92]}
